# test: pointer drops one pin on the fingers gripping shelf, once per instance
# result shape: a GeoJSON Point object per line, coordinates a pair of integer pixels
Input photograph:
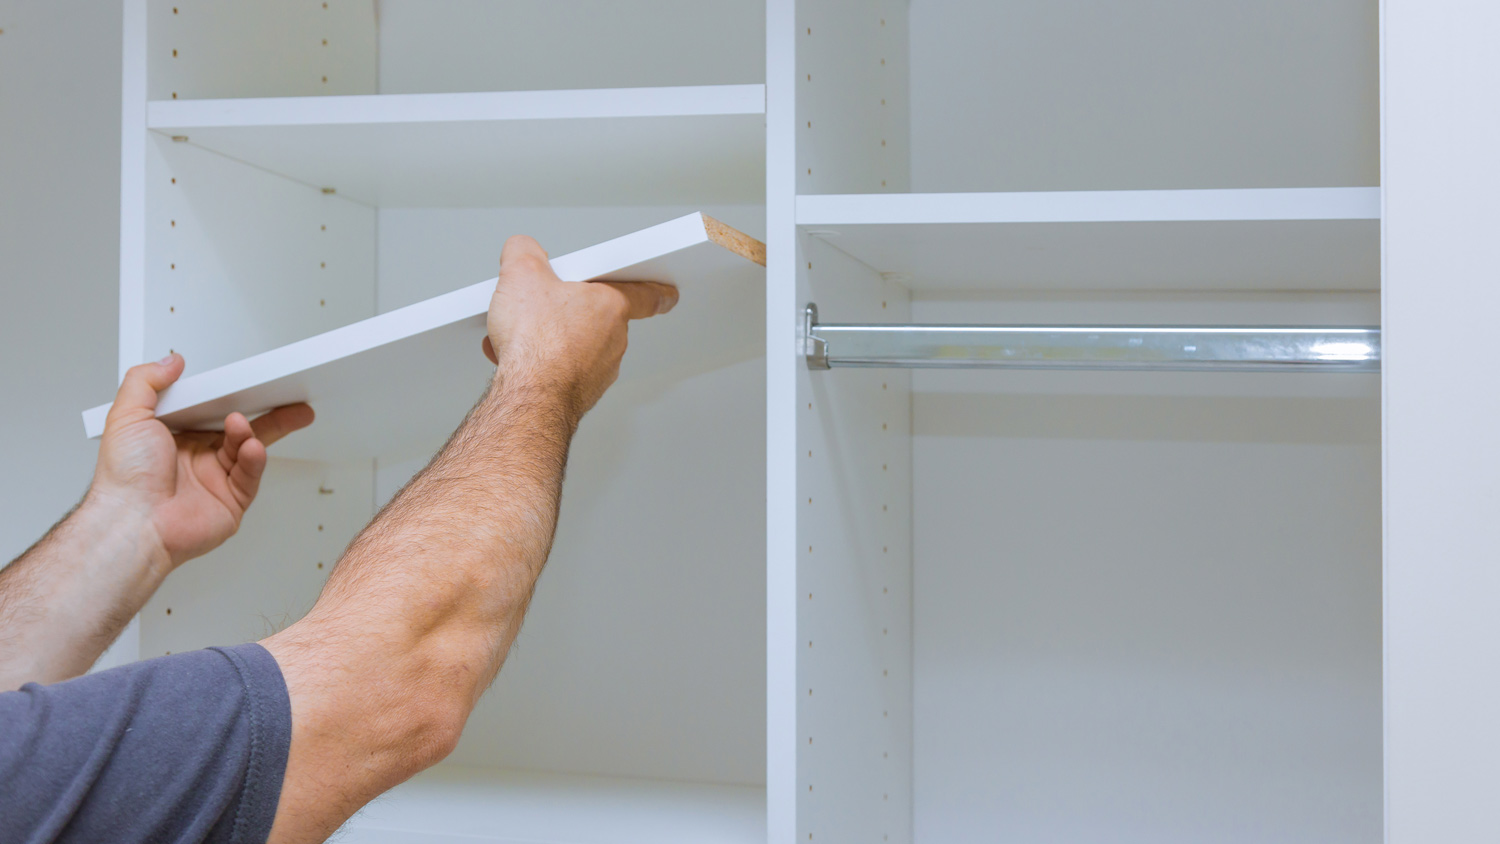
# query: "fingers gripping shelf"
{"type": "Point", "coordinates": [408, 375]}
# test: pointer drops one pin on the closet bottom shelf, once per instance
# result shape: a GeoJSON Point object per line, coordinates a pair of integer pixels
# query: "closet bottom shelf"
{"type": "Point", "coordinates": [459, 805]}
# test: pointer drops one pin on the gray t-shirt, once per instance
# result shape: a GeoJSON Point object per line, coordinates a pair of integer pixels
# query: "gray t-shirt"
{"type": "Point", "coordinates": [184, 748]}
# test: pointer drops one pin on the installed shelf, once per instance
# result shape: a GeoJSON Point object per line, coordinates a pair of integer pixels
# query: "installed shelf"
{"type": "Point", "coordinates": [407, 376]}
{"type": "Point", "coordinates": [690, 145]}
{"type": "Point", "coordinates": [1255, 239]}
{"type": "Point", "coordinates": [452, 804]}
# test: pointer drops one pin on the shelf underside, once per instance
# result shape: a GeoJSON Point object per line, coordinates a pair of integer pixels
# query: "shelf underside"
{"type": "Point", "coordinates": [665, 146]}
{"type": "Point", "coordinates": [449, 805]}
{"type": "Point", "coordinates": [1120, 240]}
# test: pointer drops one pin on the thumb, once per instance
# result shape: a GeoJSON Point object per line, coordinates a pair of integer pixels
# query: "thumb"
{"type": "Point", "coordinates": [137, 393]}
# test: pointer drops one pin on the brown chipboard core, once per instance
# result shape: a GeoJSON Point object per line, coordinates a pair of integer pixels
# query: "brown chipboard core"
{"type": "Point", "coordinates": [735, 240]}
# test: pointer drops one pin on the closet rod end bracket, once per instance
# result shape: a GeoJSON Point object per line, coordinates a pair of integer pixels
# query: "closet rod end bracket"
{"type": "Point", "coordinates": [815, 348]}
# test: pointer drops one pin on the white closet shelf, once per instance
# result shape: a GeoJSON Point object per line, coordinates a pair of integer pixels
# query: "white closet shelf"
{"type": "Point", "coordinates": [406, 377]}
{"type": "Point", "coordinates": [454, 804]}
{"type": "Point", "coordinates": [576, 147]}
{"type": "Point", "coordinates": [1256, 239]}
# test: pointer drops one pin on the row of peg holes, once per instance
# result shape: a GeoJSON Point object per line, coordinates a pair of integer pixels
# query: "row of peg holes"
{"type": "Point", "coordinates": [882, 100]}
{"type": "Point", "coordinates": [322, 265]}
{"type": "Point", "coordinates": [884, 590]}
{"type": "Point", "coordinates": [176, 10]}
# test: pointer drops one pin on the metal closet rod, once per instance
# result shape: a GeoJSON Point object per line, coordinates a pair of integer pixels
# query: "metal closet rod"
{"type": "Point", "coordinates": [1091, 347]}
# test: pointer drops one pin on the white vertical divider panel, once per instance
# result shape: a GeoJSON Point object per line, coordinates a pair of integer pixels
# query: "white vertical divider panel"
{"type": "Point", "coordinates": [269, 573]}
{"type": "Point", "coordinates": [267, 48]}
{"type": "Point", "coordinates": [852, 104]}
{"type": "Point", "coordinates": [854, 573]}
{"type": "Point", "coordinates": [239, 261]}
{"type": "Point", "coordinates": [782, 373]}
{"type": "Point", "coordinates": [1442, 539]}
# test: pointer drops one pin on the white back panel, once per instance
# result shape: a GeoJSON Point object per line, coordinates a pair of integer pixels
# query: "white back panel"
{"type": "Point", "coordinates": [267, 575]}
{"type": "Point", "coordinates": [853, 574]}
{"type": "Point", "coordinates": [644, 651]}
{"type": "Point", "coordinates": [429, 46]}
{"type": "Point", "coordinates": [239, 261]}
{"type": "Point", "coordinates": [1146, 608]}
{"type": "Point", "coordinates": [1084, 94]}
{"type": "Point", "coordinates": [265, 48]}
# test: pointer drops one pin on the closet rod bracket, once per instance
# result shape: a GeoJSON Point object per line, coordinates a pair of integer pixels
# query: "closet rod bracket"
{"type": "Point", "coordinates": [813, 346]}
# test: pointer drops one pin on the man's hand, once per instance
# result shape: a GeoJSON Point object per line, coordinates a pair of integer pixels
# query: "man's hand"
{"type": "Point", "coordinates": [563, 337]}
{"type": "Point", "coordinates": [194, 487]}
{"type": "Point", "coordinates": [156, 501]}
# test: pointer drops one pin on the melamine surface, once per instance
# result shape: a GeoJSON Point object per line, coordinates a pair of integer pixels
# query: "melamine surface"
{"type": "Point", "coordinates": [1289, 239]}
{"type": "Point", "coordinates": [578, 147]}
{"type": "Point", "coordinates": [454, 805]}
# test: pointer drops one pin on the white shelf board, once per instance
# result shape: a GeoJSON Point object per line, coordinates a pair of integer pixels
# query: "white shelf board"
{"type": "Point", "coordinates": [1255, 239]}
{"type": "Point", "coordinates": [695, 144]}
{"type": "Point", "coordinates": [407, 376]}
{"type": "Point", "coordinates": [454, 805]}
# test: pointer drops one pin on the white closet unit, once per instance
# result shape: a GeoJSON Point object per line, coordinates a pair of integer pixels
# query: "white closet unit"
{"type": "Point", "coordinates": [1074, 605]}
{"type": "Point", "coordinates": [314, 195]}
{"type": "Point", "coordinates": [916, 603]}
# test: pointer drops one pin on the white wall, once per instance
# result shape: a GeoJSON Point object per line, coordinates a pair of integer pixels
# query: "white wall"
{"type": "Point", "coordinates": [59, 250]}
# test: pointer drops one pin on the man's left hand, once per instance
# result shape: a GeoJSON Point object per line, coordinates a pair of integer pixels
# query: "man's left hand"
{"type": "Point", "coordinates": [193, 487]}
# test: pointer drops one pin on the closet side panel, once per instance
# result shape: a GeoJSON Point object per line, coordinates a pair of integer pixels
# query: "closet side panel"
{"type": "Point", "coordinates": [1442, 543]}
{"type": "Point", "coordinates": [854, 573]}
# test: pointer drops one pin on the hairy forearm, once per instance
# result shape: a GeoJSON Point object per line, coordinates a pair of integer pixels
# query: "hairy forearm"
{"type": "Point", "coordinates": [448, 567]}
{"type": "Point", "coordinates": [69, 596]}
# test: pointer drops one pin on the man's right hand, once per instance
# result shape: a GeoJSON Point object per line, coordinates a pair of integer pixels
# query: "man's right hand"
{"type": "Point", "coordinates": [563, 337]}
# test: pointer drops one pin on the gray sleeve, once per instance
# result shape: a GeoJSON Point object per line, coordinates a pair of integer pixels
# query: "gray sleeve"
{"type": "Point", "coordinates": [184, 748]}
